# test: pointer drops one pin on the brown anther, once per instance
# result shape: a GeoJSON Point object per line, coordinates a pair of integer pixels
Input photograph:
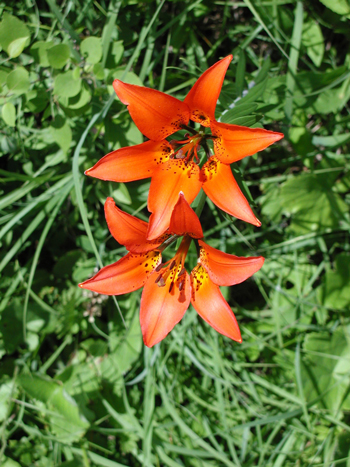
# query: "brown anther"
{"type": "Point", "coordinates": [158, 279]}
{"type": "Point", "coordinates": [183, 270]}
{"type": "Point", "coordinates": [160, 282]}
{"type": "Point", "coordinates": [181, 285]}
{"type": "Point", "coordinates": [171, 286]}
{"type": "Point", "coordinates": [159, 267]}
{"type": "Point", "coordinates": [172, 264]}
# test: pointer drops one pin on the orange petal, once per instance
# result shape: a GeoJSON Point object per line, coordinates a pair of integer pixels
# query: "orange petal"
{"type": "Point", "coordinates": [167, 182]}
{"type": "Point", "coordinates": [205, 92]}
{"type": "Point", "coordinates": [209, 303]}
{"type": "Point", "coordinates": [129, 230]}
{"type": "Point", "coordinates": [163, 307]}
{"type": "Point", "coordinates": [124, 276]}
{"type": "Point", "coordinates": [234, 142]}
{"type": "Point", "coordinates": [225, 269]}
{"type": "Point", "coordinates": [184, 221]}
{"type": "Point", "coordinates": [155, 114]}
{"type": "Point", "coordinates": [133, 163]}
{"type": "Point", "coordinates": [221, 187]}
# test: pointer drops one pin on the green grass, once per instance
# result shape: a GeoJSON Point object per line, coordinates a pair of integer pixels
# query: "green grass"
{"type": "Point", "coordinates": [81, 392]}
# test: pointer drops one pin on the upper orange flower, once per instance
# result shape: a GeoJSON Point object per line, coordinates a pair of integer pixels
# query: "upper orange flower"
{"type": "Point", "coordinates": [173, 165]}
{"type": "Point", "coordinates": [168, 288]}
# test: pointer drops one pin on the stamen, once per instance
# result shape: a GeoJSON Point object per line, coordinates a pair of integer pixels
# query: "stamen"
{"type": "Point", "coordinates": [182, 272]}
{"type": "Point", "coordinates": [172, 264]}
{"type": "Point", "coordinates": [159, 267]}
{"type": "Point", "coordinates": [171, 286]}
{"type": "Point", "coordinates": [158, 278]}
{"type": "Point", "coordinates": [161, 282]}
{"type": "Point", "coordinates": [181, 285]}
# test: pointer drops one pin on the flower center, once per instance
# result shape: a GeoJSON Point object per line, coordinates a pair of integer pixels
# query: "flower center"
{"type": "Point", "coordinates": [173, 271]}
{"type": "Point", "coordinates": [188, 151]}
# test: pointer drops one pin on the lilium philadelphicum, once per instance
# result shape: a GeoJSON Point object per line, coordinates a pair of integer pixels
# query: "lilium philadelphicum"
{"type": "Point", "coordinates": [168, 288]}
{"type": "Point", "coordinates": [158, 115]}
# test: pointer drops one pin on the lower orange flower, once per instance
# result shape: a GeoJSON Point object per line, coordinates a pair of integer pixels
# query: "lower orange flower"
{"type": "Point", "coordinates": [168, 288]}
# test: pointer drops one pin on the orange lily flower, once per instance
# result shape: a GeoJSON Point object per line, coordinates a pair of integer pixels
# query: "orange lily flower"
{"type": "Point", "coordinates": [173, 165]}
{"type": "Point", "coordinates": [168, 288]}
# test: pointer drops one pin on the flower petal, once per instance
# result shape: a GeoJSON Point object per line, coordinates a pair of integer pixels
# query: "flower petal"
{"type": "Point", "coordinates": [184, 221]}
{"type": "Point", "coordinates": [163, 307]}
{"type": "Point", "coordinates": [225, 269]}
{"type": "Point", "coordinates": [129, 230]}
{"type": "Point", "coordinates": [205, 92]}
{"type": "Point", "coordinates": [221, 187]}
{"type": "Point", "coordinates": [168, 180]}
{"type": "Point", "coordinates": [124, 276]}
{"type": "Point", "coordinates": [156, 114]}
{"type": "Point", "coordinates": [209, 303]}
{"type": "Point", "coordinates": [235, 142]}
{"type": "Point", "coordinates": [132, 163]}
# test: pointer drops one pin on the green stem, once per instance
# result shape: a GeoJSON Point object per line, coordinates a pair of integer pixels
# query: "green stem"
{"type": "Point", "coordinates": [189, 129]}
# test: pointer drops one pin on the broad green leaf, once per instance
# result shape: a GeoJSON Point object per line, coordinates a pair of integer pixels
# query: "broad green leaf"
{"type": "Point", "coordinates": [11, 326]}
{"type": "Point", "coordinates": [58, 55]}
{"type": "Point", "coordinates": [8, 113]}
{"type": "Point", "coordinates": [99, 71]}
{"type": "Point", "coordinates": [130, 78]}
{"type": "Point", "coordinates": [16, 47]}
{"type": "Point", "coordinates": [68, 424]}
{"type": "Point", "coordinates": [331, 141]}
{"type": "Point", "coordinates": [308, 83]}
{"type": "Point", "coordinates": [91, 49]}
{"type": "Point", "coordinates": [11, 30]}
{"type": "Point", "coordinates": [37, 99]}
{"type": "Point", "coordinates": [270, 202]}
{"type": "Point", "coordinates": [121, 194]}
{"type": "Point", "coordinates": [39, 52]}
{"type": "Point", "coordinates": [18, 80]}
{"type": "Point", "coordinates": [312, 39]}
{"type": "Point", "coordinates": [341, 7]}
{"type": "Point", "coordinates": [311, 202]}
{"type": "Point", "coordinates": [81, 99]}
{"type": "Point", "coordinates": [129, 349]}
{"type": "Point", "coordinates": [335, 291]}
{"type": "Point", "coordinates": [65, 85]}
{"type": "Point", "coordinates": [293, 302]}
{"type": "Point", "coordinates": [301, 139]}
{"type": "Point", "coordinates": [3, 76]}
{"type": "Point", "coordinates": [333, 100]}
{"type": "Point", "coordinates": [61, 132]}
{"type": "Point", "coordinates": [325, 368]}
{"type": "Point", "coordinates": [115, 54]}
{"type": "Point", "coordinates": [5, 395]}
{"type": "Point", "coordinates": [8, 462]}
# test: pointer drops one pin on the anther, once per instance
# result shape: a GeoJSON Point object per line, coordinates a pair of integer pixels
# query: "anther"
{"type": "Point", "coordinates": [183, 270]}
{"type": "Point", "coordinates": [181, 285]}
{"type": "Point", "coordinates": [160, 282]}
{"type": "Point", "coordinates": [172, 264]}
{"type": "Point", "coordinates": [159, 267]}
{"type": "Point", "coordinates": [171, 286]}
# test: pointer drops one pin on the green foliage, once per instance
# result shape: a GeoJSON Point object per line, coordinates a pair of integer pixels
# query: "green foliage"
{"type": "Point", "coordinates": [77, 386]}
